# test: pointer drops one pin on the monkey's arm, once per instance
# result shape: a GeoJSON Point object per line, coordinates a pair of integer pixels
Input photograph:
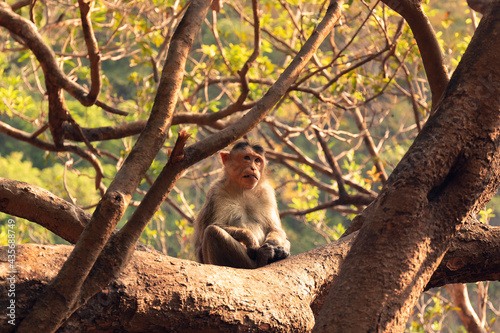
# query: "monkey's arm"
{"type": "Point", "coordinates": [242, 235]}
{"type": "Point", "coordinates": [276, 236]}
{"type": "Point", "coordinates": [203, 220]}
{"type": "Point", "coordinates": [245, 237]}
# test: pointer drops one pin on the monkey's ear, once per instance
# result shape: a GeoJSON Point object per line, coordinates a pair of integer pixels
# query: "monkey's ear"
{"type": "Point", "coordinates": [225, 157]}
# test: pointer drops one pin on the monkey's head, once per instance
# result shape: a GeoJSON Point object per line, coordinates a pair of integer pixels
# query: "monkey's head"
{"type": "Point", "coordinates": [244, 165]}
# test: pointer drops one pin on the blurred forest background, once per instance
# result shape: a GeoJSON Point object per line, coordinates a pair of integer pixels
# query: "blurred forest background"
{"type": "Point", "coordinates": [364, 96]}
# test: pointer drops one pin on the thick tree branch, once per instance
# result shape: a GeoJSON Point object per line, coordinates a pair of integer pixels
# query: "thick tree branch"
{"type": "Point", "coordinates": [40, 206]}
{"type": "Point", "coordinates": [465, 259]}
{"type": "Point", "coordinates": [122, 244]}
{"type": "Point", "coordinates": [158, 291]}
{"type": "Point", "coordinates": [134, 128]}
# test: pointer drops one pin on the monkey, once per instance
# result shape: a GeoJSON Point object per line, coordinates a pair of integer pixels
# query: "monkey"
{"type": "Point", "coordinates": [239, 225]}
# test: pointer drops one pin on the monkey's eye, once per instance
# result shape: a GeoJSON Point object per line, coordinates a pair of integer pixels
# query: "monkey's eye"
{"type": "Point", "coordinates": [247, 158]}
{"type": "Point", "coordinates": [258, 160]}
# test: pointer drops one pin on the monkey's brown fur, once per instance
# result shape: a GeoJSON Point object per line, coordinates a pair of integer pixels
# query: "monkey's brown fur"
{"type": "Point", "coordinates": [239, 225]}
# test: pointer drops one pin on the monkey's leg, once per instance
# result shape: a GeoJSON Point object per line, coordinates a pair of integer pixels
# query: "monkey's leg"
{"type": "Point", "coordinates": [220, 248]}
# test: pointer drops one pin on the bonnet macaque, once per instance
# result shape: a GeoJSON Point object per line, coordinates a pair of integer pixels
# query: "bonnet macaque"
{"type": "Point", "coordinates": [239, 225]}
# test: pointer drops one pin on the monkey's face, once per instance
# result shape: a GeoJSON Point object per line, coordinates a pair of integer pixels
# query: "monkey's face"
{"type": "Point", "coordinates": [244, 168]}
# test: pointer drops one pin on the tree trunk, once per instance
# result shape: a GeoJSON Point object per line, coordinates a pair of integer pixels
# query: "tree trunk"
{"type": "Point", "coordinates": [448, 174]}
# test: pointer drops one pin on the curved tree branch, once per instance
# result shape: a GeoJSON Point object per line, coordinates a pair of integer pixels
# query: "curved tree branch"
{"type": "Point", "coordinates": [428, 44]}
{"type": "Point", "coordinates": [33, 140]}
{"type": "Point", "coordinates": [93, 51]}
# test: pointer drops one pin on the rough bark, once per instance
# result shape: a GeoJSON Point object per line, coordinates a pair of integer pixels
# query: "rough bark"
{"type": "Point", "coordinates": [449, 173]}
{"type": "Point", "coordinates": [466, 259]}
{"type": "Point", "coordinates": [156, 293]}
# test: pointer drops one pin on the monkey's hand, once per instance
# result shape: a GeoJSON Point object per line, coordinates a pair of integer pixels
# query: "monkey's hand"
{"type": "Point", "coordinates": [279, 253]}
{"type": "Point", "coordinates": [269, 253]}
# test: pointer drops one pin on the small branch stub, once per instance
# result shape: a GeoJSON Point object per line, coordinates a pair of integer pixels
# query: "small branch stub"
{"type": "Point", "coordinates": [177, 153]}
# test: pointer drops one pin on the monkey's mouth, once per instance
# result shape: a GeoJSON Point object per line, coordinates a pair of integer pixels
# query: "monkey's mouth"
{"type": "Point", "coordinates": [251, 176]}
